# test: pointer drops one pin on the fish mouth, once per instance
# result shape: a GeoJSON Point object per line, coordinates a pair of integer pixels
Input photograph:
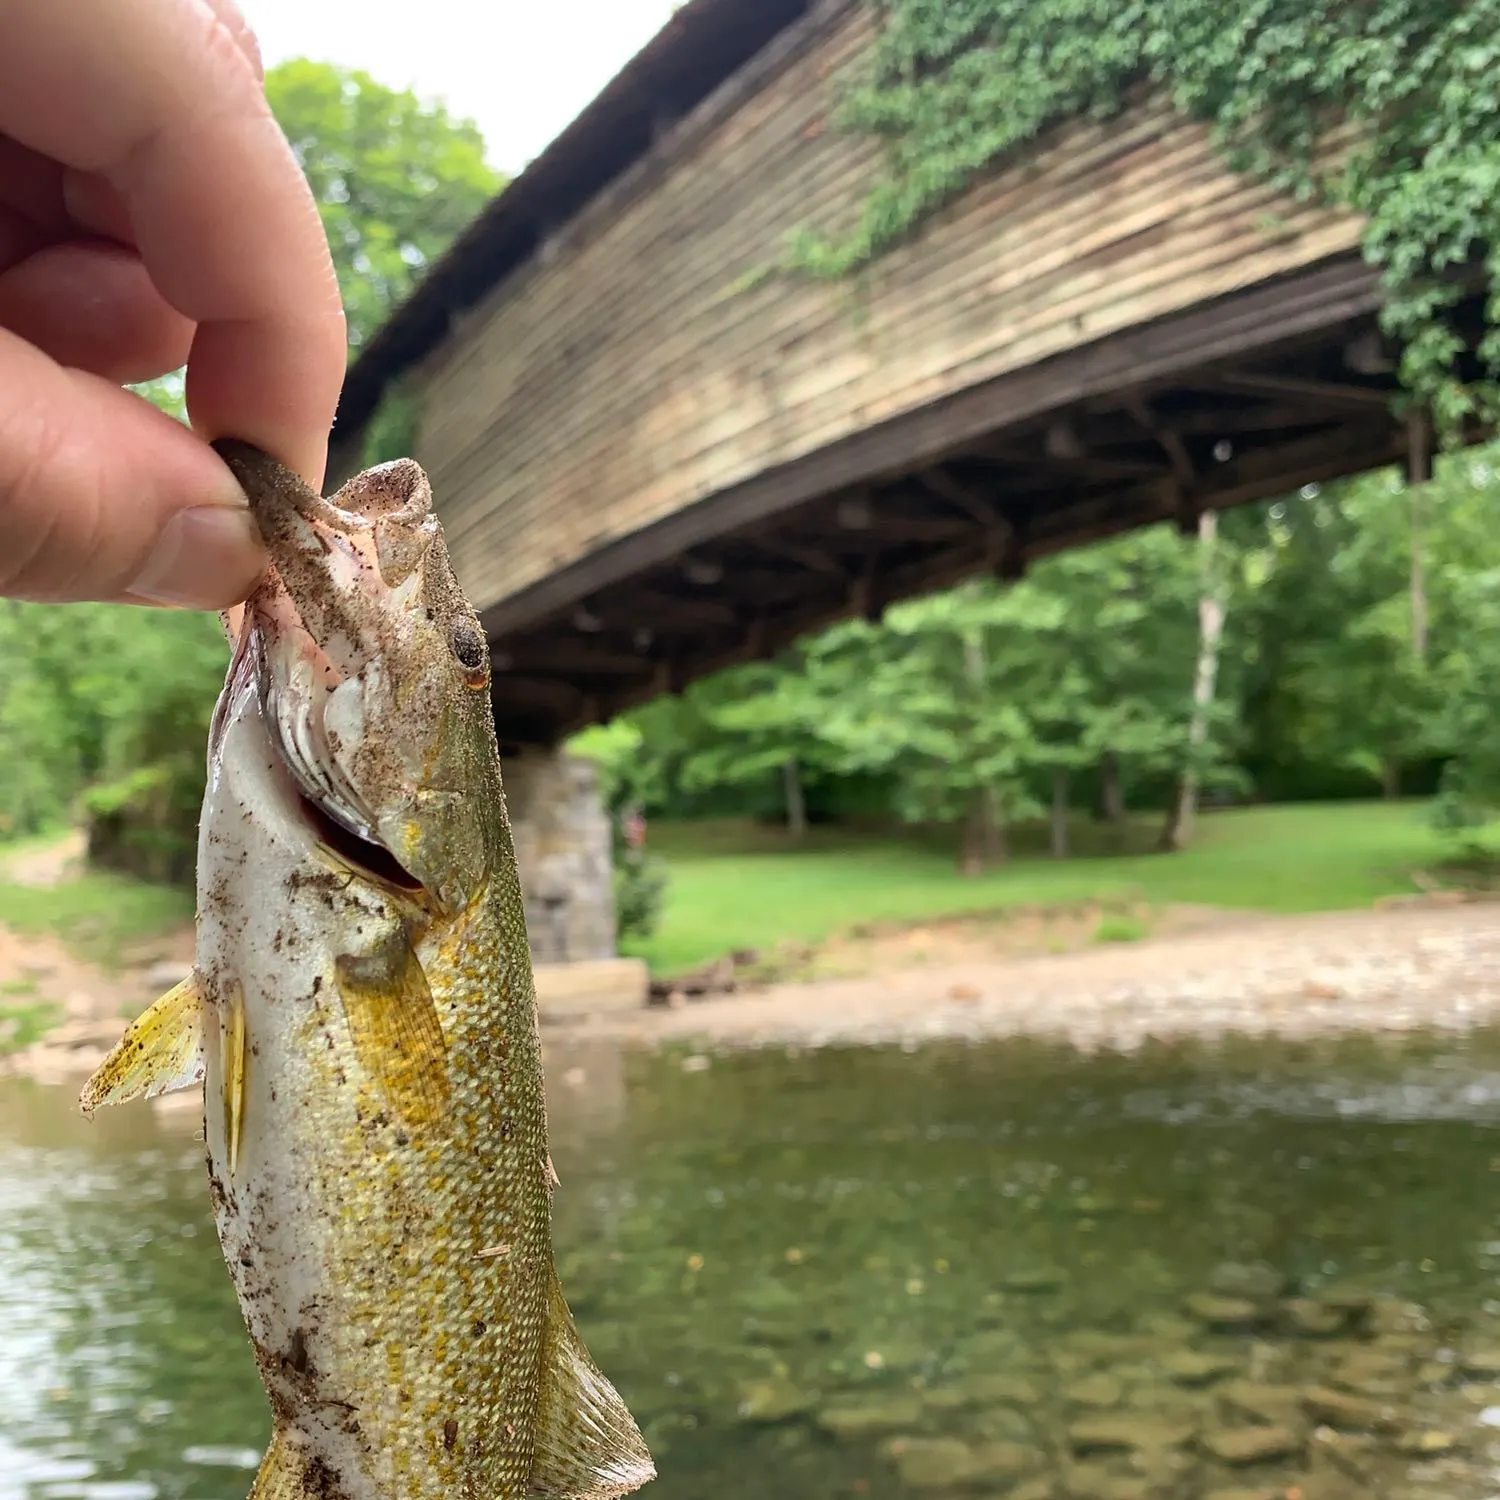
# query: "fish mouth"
{"type": "Point", "coordinates": [295, 683]}
{"type": "Point", "coordinates": [316, 636]}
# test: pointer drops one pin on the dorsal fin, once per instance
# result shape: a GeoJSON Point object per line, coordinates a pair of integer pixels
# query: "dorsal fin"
{"type": "Point", "coordinates": [587, 1444]}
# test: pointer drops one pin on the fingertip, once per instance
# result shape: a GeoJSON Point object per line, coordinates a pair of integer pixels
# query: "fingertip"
{"type": "Point", "coordinates": [104, 497]}
{"type": "Point", "coordinates": [206, 557]}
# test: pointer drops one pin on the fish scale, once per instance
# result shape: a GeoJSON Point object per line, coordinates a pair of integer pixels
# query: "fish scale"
{"type": "Point", "coordinates": [363, 1021]}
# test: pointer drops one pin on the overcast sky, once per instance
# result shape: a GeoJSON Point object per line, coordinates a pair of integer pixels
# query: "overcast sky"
{"type": "Point", "coordinates": [521, 69]}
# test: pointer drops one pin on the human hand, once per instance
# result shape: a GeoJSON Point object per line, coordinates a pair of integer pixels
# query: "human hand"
{"type": "Point", "coordinates": [151, 214]}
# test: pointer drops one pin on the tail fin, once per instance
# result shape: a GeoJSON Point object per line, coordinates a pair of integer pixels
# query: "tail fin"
{"type": "Point", "coordinates": [587, 1444]}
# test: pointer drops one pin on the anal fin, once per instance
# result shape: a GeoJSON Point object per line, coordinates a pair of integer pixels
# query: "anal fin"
{"type": "Point", "coordinates": [588, 1446]}
{"type": "Point", "coordinates": [282, 1472]}
{"type": "Point", "coordinates": [162, 1050]}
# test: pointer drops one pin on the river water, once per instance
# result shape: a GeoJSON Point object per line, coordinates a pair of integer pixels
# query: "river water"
{"type": "Point", "coordinates": [986, 1270]}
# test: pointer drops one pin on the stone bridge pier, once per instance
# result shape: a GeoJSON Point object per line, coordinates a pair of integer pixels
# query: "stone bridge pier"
{"type": "Point", "coordinates": [562, 836]}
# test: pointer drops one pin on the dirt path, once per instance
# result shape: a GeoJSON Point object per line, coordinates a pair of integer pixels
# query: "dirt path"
{"type": "Point", "coordinates": [1398, 969]}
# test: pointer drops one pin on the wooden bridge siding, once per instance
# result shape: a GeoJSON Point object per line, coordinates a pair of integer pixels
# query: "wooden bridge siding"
{"type": "Point", "coordinates": [633, 371]}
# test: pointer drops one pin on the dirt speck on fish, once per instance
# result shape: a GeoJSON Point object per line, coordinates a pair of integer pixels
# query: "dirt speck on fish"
{"type": "Point", "coordinates": [362, 1018]}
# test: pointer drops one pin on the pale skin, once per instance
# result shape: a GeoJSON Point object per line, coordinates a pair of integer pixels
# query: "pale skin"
{"type": "Point", "coordinates": [151, 215]}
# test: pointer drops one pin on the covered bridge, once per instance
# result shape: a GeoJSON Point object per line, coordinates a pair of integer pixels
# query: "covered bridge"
{"type": "Point", "coordinates": [657, 452]}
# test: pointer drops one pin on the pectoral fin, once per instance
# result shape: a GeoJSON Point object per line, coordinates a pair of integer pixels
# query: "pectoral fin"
{"type": "Point", "coordinates": [588, 1446]}
{"type": "Point", "coordinates": [161, 1050]}
{"type": "Point", "coordinates": [393, 1021]}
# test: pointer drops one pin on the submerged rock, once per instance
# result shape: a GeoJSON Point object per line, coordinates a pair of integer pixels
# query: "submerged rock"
{"type": "Point", "coordinates": [1034, 1489]}
{"type": "Point", "coordinates": [1268, 1405]}
{"type": "Point", "coordinates": [1426, 1443]}
{"type": "Point", "coordinates": [1349, 1413]}
{"type": "Point", "coordinates": [984, 1390]}
{"type": "Point", "coordinates": [1255, 1280]}
{"type": "Point", "coordinates": [773, 1401]}
{"type": "Point", "coordinates": [947, 1463]}
{"type": "Point", "coordinates": [1095, 1390]}
{"type": "Point", "coordinates": [1098, 1482]}
{"type": "Point", "coordinates": [1195, 1367]}
{"type": "Point", "coordinates": [1307, 1315]}
{"type": "Point", "coordinates": [1036, 1279]}
{"type": "Point", "coordinates": [1126, 1434]}
{"type": "Point", "coordinates": [1222, 1312]}
{"type": "Point", "coordinates": [1371, 1372]}
{"type": "Point", "coordinates": [933, 1463]}
{"type": "Point", "coordinates": [880, 1414]}
{"type": "Point", "coordinates": [1483, 1362]}
{"type": "Point", "coordinates": [1252, 1445]}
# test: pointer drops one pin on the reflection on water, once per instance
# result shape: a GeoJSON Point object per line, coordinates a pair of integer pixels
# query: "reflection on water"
{"type": "Point", "coordinates": [998, 1270]}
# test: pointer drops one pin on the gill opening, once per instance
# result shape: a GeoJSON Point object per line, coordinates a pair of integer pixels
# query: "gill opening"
{"type": "Point", "coordinates": [373, 861]}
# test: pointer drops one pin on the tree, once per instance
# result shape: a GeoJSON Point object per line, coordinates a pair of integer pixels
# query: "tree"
{"type": "Point", "coordinates": [764, 720]}
{"type": "Point", "coordinates": [1212, 590]}
{"type": "Point", "coordinates": [396, 179]}
{"type": "Point", "coordinates": [935, 698]}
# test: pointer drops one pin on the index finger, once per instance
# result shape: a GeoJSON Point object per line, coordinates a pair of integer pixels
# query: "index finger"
{"type": "Point", "coordinates": [160, 99]}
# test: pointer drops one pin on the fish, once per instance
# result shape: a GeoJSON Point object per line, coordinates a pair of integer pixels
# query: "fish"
{"type": "Point", "coordinates": [362, 1020]}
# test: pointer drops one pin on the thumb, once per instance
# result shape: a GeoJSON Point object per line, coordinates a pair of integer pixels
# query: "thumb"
{"type": "Point", "coordinates": [104, 497]}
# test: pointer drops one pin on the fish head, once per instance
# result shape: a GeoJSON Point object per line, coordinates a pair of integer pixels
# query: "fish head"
{"type": "Point", "coordinates": [373, 673]}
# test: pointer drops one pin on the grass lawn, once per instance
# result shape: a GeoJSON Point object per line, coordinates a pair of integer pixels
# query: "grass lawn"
{"type": "Point", "coordinates": [97, 914]}
{"type": "Point", "coordinates": [738, 886]}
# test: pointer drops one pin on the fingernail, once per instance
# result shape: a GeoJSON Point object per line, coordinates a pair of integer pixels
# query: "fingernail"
{"type": "Point", "coordinates": [205, 558]}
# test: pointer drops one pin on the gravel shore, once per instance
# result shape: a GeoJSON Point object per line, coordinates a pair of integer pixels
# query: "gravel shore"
{"type": "Point", "coordinates": [1412, 968]}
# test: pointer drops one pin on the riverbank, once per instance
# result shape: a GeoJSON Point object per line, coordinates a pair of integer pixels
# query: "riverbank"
{"type": "Point", "coordinates": [1429, 965]}
{"type": "Point", "coordinates": [1420, 965]}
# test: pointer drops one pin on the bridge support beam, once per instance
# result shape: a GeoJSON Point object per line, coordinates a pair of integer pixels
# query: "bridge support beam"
{"type": "Point", "coordinates": [562, 836]}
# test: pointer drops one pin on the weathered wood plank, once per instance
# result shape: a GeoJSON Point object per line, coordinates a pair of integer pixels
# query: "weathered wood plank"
{"type": "Point", "coordinates": [1264, 317]}
{"type": "Point", "coordinates": [642, 365]}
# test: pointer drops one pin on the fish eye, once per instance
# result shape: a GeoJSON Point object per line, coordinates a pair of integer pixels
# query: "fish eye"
{"type": "Point", "coordinates": [472, 651]}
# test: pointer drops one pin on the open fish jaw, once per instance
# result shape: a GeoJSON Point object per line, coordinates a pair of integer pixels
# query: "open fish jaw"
{"type": "Point", "coordinates": [363, 1019]}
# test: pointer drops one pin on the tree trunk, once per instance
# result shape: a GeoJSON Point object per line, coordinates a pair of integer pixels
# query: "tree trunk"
{"type": "Point", "coordinates": [1418, 472]}
{"type": "Point", "coordinates": [1390, 778]}
{"type": "Point", "coordinates": [1111, 790]}
{"type": "Point", "coordinates": [996, 837]}
{"type": "Point", "coordinates": [1178, 832]}
{"type": "Point", "coordinates": [796, 801]}
{"type": "Point", "coordinates": [984, 841]}
{"type": "Point", "coordinates": [1059, 814]}
{"type": "Point", "coordinates": [971, 852]}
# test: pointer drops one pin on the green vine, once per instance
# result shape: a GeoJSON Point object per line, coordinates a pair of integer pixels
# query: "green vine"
{"type": "Point", "coordinates": [953, 84]}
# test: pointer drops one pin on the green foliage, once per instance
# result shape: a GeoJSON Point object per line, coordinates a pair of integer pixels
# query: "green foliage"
{"type": "Point", "coordinates": [640, 893]}
{"type": "Point", "coordinates": [167, 393]}
{"type": "Point", "coordinates": [954, 84]}
{"type": "Point", "coordinates": [640, 878]}
{"type": "Point", "coordinates": [23, 1024]}
{"type": "Point", "coordinates": [392, 431]}
{"type": "Point", "coordinates": [397, 179]}
{"type": "Point", "coordinates": [1117, 927]}
{"type": "Point", "coordinates": [103, 707]}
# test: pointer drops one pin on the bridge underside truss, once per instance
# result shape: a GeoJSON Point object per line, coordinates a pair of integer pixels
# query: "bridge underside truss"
{"type": "Point", "coordinates": [1249, 397]}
